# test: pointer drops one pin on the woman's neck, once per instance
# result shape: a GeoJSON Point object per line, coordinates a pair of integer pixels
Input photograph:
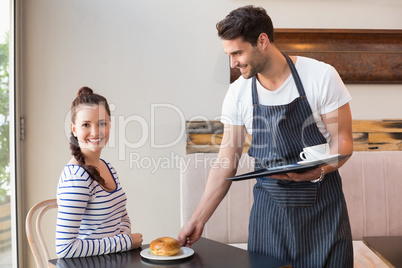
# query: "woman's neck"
{"type": "Point", "coordinates": [91, 158]}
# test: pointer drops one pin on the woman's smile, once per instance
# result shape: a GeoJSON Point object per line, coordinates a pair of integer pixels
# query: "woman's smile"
{"type": "Point", "coordinates": [95, 140]}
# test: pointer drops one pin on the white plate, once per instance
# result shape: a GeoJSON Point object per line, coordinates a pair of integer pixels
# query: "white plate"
{"type": "Point", "coordinates": [183, 253]}
{"type": "Point", "coordinates": [318, 161]}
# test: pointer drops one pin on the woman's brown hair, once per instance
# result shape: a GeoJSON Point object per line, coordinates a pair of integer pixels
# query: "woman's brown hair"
{"type": "Point", "coordinates": [86, 96]}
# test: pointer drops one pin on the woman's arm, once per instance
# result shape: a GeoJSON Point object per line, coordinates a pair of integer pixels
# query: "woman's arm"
{"type": "Point", "coordinates": [125, 225]}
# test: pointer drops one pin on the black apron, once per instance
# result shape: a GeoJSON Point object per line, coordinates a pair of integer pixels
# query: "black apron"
{"type": "Point", "coordinates": [302, 222]}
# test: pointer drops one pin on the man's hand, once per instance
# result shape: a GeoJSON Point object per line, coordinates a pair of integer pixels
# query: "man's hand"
{"type": "Point", "coordinates": [308, 175]}
{"type": "Point", "coordinates": [190, 233]}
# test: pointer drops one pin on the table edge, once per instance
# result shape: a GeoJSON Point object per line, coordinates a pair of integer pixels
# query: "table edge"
{"type": "Point", "coordinates": [376, 252]}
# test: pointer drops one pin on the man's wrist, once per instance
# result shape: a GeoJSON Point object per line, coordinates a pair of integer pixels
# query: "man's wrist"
{"type": "Point", "coordinates": [322, 175]}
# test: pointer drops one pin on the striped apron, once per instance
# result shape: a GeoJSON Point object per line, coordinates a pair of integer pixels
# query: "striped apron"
{"type": "Point", "coordinates": [302, 222]}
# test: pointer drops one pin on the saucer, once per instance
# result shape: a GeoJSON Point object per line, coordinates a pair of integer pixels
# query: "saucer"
{"type": "Point", "coordinates": [319, 161]}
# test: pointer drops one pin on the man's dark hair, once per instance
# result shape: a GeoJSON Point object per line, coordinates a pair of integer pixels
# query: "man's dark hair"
{"type": "Point", "coordinates": [247, 22]}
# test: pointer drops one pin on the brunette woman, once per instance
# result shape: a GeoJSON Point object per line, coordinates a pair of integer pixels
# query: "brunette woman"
{"type": "Point", "coordinates": [92, 217]}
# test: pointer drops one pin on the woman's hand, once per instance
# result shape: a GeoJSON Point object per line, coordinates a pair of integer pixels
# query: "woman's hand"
{"type": "Point", "coordinates": [137, 240]}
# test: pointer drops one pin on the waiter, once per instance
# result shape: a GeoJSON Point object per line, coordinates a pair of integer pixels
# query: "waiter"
{"type": "Point", "coordinates": [286, 103]}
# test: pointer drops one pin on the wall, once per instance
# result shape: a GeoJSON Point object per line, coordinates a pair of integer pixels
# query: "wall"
{"type": "Point", "coordinates": [158, 63]}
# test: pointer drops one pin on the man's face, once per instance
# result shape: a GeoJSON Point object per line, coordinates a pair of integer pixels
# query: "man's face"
{"type": "Point", "coordinates": [249, 59]}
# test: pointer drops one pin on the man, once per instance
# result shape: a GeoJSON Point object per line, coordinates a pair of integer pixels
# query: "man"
{"type": "Point", "coordinates": [286, 103]}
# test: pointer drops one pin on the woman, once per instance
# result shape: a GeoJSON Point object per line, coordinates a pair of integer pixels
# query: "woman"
{"type": "Point", "coordinates": [92, 217]}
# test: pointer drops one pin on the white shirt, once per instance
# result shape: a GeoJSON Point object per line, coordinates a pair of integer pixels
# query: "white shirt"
{"type": "Point", "coordinates": [322, 84]}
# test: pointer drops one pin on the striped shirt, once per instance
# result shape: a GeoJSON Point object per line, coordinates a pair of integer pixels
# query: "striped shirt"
{"type": "Point", "coordinates": [90, 220]}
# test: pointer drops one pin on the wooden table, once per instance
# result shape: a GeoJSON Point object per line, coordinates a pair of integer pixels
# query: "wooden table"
{"type": "Point", "coordinates": [388, 248]}
{"type": "Point", "coordinates": [207, 253]}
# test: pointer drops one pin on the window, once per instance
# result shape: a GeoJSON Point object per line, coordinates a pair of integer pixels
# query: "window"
{"type": "Point", "coordinates": [6, 191]}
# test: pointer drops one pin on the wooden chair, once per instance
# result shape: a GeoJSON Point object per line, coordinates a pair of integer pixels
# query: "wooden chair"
{"type": "Point", "coordinates": [41, 208]}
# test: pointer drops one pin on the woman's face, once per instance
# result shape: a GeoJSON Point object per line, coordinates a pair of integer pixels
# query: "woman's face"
{"type": "Point", "coordinates": [91, 127]}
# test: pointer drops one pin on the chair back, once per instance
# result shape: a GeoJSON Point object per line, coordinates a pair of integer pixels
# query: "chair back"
{"type": "Point", "coordinates": [41, 208]}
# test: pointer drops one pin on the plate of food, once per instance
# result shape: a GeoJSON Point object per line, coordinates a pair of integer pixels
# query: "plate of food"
{"type": "Point", "coordinates": [166, 248]}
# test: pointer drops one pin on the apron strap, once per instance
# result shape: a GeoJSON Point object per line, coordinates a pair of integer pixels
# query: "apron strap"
{"type": "Point", "coordinates": [295, 75]}
{"type": "Point", "coordinates": [254, 90]}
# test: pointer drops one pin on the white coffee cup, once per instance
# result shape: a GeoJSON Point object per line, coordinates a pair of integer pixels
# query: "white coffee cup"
{"type": "Point", "coordinates": [316, 152]}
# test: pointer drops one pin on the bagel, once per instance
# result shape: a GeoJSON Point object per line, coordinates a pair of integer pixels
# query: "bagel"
{"type": "Point", "coordinates": [165, 246]}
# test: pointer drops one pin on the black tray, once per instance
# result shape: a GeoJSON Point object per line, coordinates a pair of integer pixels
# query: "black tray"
{"type": "Point", "coordinates": [286, 169]}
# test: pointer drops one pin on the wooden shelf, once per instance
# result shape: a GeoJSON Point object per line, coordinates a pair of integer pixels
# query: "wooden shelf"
{"type": "Point", "coordinates": [368, 135]}
{"type": "Point", "coordinates": [359, 56]}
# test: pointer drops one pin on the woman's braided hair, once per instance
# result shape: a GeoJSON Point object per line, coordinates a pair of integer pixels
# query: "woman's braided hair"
{"type": "Point", "coordinates": [86, 96]}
